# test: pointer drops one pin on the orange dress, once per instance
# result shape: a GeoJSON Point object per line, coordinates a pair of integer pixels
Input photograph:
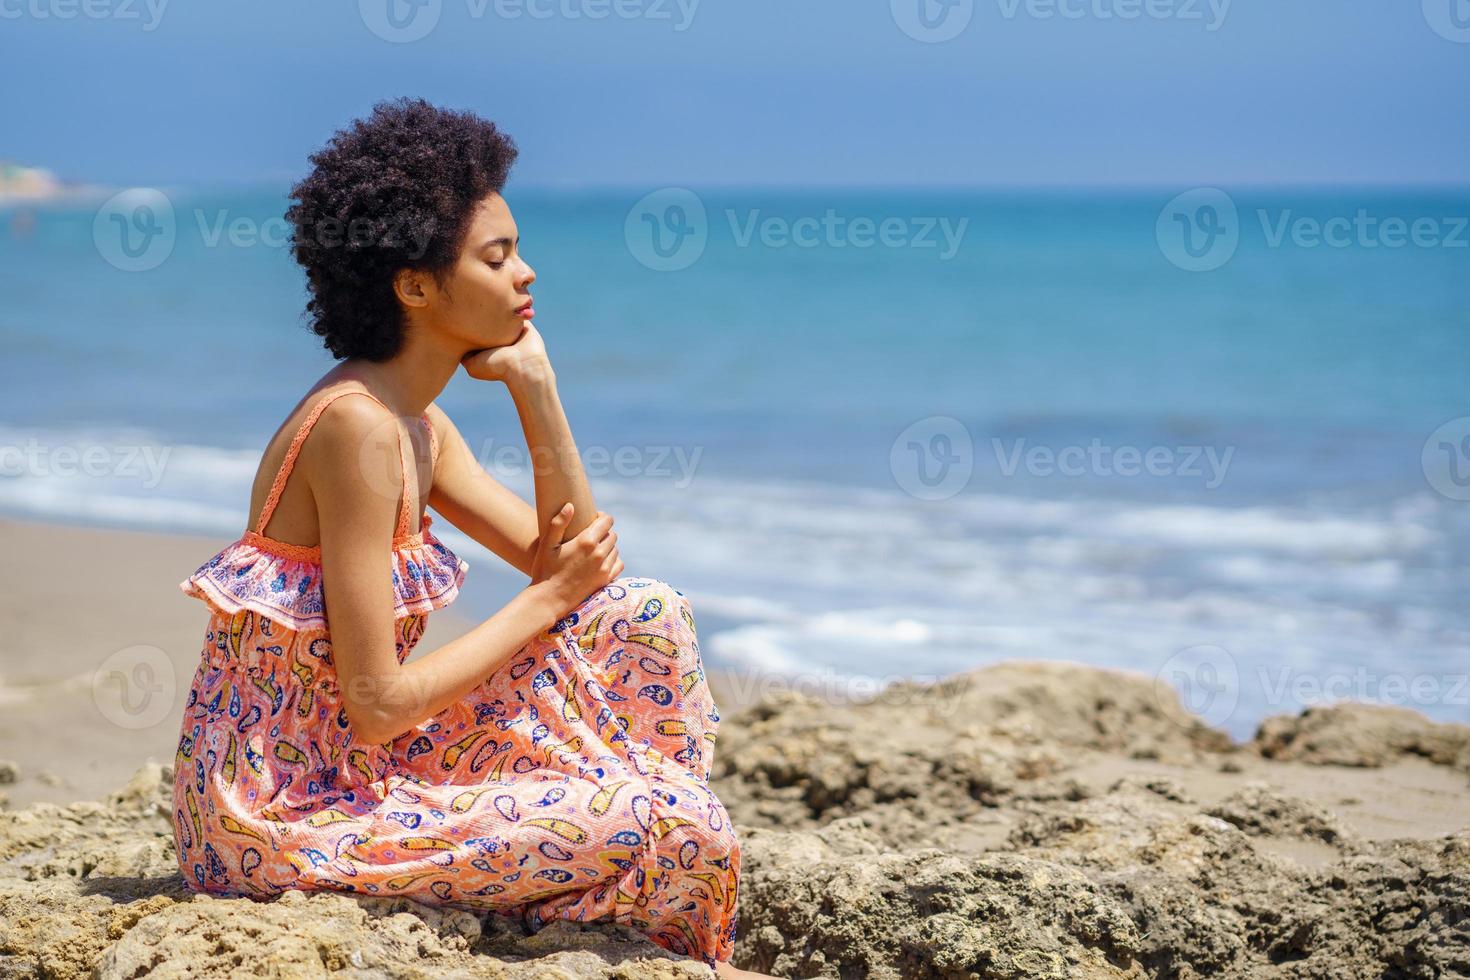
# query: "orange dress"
{"type": "Point", "coordinates": [572, 783]}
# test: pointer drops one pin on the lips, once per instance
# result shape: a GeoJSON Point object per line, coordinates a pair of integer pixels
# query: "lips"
{"type": "Point", "coordinates": [524, 306]}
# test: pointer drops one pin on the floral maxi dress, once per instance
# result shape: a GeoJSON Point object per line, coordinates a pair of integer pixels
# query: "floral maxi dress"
{"type": "Point", "coordinates": [572, 783]}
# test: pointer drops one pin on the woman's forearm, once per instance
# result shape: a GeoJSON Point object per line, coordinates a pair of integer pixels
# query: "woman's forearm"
{"type": "Point", "coordinates": [421, 689]}
{"type": "Point", "coordinates": [555, 462]}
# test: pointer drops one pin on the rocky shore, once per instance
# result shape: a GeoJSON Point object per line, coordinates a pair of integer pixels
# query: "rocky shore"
{"type": "Point", "coordinates": [1022, 820]}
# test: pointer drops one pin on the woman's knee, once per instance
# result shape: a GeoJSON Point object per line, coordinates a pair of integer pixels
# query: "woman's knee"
{"type": "Point", "coordinates": [647, 609]}
{"type": "Point", "coordinates": [656, 621]}
{"type": "Point", "coordinates": [637, 591]}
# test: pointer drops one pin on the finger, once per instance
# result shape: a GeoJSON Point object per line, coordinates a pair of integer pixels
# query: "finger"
{"type": "Point", "coordinates": [557, 527]}
{"type": "Point", "coordinates": [552, 537]}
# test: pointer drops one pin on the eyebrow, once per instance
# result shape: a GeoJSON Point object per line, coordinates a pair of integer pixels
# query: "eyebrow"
{"type": "Point", "coordinates": [506, 242]}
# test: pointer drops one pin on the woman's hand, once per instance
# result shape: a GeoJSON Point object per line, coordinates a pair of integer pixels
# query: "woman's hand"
{"type": "Point", "coordinates": [522, 360]}
{"type": "Point", "coordinates": [581, 565]}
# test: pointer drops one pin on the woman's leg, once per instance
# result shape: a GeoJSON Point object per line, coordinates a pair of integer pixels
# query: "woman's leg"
{"type": "Point", "coordinates": [637, 657]}
{"type": "Point", "coordinates": [625, 664]}
{"type": "Point", "coordinates": [680, 873]}
{"type": "Point", "coordinates": [637, 639]}
{"type": "Point", "coordinates": [614, 698]}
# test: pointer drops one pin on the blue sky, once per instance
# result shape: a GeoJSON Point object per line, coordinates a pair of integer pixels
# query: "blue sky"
{"type": "Point", "coordinates": [801, 92]}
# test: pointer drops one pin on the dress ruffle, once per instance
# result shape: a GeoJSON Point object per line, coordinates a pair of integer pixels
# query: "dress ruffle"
{"type": "Point", "coordinates": [284, 582]}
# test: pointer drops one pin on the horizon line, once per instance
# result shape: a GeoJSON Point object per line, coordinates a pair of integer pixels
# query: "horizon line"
{"type": "Point", "coordinates": [283, 184]}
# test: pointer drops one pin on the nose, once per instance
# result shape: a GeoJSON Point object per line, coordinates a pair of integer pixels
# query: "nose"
{"type": "Point", "coordinates": [528, 274]}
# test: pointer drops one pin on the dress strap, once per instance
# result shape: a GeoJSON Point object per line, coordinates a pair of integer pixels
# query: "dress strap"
{"type": "Point", "coordinates": [279, 483]}
{"type": "Point", "coordinates": [433, 439]}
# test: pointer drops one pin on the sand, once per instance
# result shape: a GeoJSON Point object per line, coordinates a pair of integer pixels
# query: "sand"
{"type": "Point", "coordinates": [1041, 819]}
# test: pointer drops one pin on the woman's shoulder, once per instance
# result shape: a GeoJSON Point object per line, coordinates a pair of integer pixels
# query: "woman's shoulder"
{"type": "Point", "coordinates": [323, 397]}
{"type": "Point", "coordinates": [353, 441]}
{"type": "Point", "coordinates": [333, 440]}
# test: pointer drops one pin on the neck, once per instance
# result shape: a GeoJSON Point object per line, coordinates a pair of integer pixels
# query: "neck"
{"type": "Point", "coordinates": [412, 378]}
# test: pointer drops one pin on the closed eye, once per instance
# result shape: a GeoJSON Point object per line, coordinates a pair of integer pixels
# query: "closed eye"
{"type": "Point", "coordinates": [504, 243]}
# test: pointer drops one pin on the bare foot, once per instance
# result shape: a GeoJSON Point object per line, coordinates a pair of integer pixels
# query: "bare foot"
{"type": "Point", "coordinates": [725, 971]}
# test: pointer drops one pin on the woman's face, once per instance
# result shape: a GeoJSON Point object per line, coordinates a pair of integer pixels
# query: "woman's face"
{"type": "Point", "coordinates": [487, 288]}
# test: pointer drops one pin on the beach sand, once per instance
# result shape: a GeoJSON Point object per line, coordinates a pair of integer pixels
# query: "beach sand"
{"type": "Point", "coordinates": [1024, 819]}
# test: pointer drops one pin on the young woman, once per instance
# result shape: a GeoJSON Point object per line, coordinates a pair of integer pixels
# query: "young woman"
{"type": "Point", "coordinates": [552, 762]}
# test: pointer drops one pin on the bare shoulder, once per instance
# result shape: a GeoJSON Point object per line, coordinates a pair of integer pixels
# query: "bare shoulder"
{"type": "Point", "coordinates": [350, 438]}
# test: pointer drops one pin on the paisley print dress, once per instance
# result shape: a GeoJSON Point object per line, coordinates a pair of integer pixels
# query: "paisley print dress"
{"type": "Point", "coordinates": [572, 783]}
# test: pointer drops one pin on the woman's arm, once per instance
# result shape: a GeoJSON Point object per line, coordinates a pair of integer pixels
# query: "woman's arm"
{"type": "Point", "coordinates": [382, 697]}
{"type": "Point", "coordinates": [526, 370]}
{"type": "Point", "coordinates": [475, 502]}
{"type": "Point", "coordinates": [555, 462]}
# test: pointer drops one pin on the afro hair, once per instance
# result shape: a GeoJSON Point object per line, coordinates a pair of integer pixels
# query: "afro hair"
{"type": "Point", "coordinates": [393, 191]}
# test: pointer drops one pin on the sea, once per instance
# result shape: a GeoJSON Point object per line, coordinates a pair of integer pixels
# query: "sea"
{"type": "Point", "coordinates": [1219, 436]}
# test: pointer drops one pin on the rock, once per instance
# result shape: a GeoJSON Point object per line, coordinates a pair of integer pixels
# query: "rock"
{"type": "Point", "coordinates": [323, 935]}
{"type": "Point", "coordinates": [852, 867]}
{"type": "Point", "coordinates": [974, 741]}
{"type": "Point", "coordinates": [1166, 788]}
{"type": "Point", "coordinates": [927, 913]}
{"type": "Point", "coordinates": [1355, 734]}
{"type": "Point", "coordinates": [1259, 810]}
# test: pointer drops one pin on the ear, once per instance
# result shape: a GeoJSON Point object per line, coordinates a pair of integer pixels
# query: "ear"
{"type": "Point", "coordinates": [412, 288]}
